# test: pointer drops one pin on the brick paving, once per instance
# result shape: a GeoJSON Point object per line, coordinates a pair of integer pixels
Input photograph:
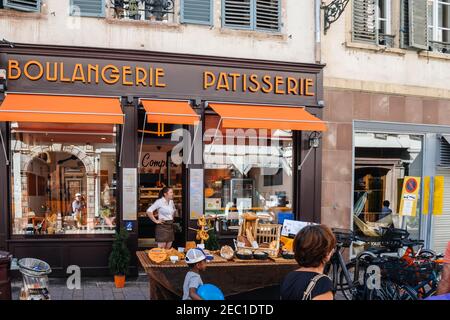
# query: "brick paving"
{"type": "Point", "coordinates": [94, 289]}
{"type": "Point", "coordinates": [104, 289]}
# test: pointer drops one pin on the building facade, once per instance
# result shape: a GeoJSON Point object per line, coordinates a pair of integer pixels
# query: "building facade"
{"type": "Point", "coordinates": [387, 97]}
{"type": "Point", "coordinates": [99, 94]}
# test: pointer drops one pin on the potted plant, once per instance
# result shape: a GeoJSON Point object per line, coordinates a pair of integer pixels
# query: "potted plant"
{"type": "Point", "coordinates": [119, 258]}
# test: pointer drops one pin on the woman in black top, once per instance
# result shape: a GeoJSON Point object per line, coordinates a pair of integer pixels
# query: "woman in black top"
{"type": "Point", "coordinates": [313, 248]}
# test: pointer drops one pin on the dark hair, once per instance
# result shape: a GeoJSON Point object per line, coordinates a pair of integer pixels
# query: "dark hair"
{"type": "Point", "coordinates": [163, 191]}
{"type": "Point", "coordinates": [312, 245]}
{"type": "Point", "coordinates": [386, 203]}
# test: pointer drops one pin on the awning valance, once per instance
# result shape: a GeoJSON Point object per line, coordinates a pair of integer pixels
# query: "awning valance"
{"type": "Point", "coordinates": [267, 117]}
{"type": "Point", "coordinates": [60, 109]}
{"type": "Point", "coordinates": [171, 112]}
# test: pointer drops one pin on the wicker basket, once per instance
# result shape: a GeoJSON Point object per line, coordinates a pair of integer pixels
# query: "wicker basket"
{"type": "Point", "coordinates": [265, 233]}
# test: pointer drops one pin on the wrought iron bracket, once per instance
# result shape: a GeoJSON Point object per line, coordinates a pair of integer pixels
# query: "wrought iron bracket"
{"type": "Point", "coordinates": [333, 11]}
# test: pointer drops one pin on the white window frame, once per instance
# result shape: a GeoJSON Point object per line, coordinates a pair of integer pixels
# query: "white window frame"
{"type": "Point", "coordinates": [387, 14]}
{"type": "Point", "coordinates": [434, 24]}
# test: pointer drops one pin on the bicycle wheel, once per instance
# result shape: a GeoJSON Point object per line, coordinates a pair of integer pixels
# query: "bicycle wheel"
{"type": "Point", "coordinates": [407, 293]}
{"type": "Point", "coordinates": [388, 291]}
{"type": "Point", "coordinates": [347, 288]}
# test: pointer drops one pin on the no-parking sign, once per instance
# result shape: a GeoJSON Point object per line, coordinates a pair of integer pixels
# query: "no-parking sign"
{"type": "Point", "coordinates": [410, 196]}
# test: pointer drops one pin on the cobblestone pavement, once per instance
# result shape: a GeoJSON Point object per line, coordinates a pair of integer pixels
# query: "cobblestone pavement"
{"type": "Point", "coordinates": [104, 289]}
{"type": "Point", "coordinates": [94, 289]}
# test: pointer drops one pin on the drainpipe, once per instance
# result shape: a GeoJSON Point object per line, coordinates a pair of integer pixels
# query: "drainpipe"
{"type": "Point", "coordinates": [317, 31]}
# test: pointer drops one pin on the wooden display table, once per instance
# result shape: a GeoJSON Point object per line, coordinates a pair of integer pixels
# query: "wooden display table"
{"type": "Point", "coordinates": [166, 280]}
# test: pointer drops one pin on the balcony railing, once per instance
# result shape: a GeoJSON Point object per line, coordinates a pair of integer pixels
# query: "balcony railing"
{"type": "Point", "coordinates": [159, 10]}
{"type": "Point", "coordinates": [442, 47]}
{"type": "Point", "coordinates": [386, 40]}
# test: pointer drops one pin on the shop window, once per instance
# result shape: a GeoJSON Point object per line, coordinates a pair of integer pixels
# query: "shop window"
{"type": "Point", "coordinates": [157, 169]}
{"type": "Point", "coordinates": [381, 163]}
{"type": "Point", "coordinates": [63, 179]}
{"type": "Point", "coordinates": [247, 170]}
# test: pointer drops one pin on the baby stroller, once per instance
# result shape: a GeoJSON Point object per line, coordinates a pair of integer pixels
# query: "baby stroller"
{"type": "Point", "coordinates": [35, 280]}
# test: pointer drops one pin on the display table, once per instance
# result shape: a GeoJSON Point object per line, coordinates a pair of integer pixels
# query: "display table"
{"type": "Point", "coordinates": [166, 280]}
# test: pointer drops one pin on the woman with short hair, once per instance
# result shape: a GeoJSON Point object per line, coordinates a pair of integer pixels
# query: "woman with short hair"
{"type": "Point", "coordinates": [313, 248]}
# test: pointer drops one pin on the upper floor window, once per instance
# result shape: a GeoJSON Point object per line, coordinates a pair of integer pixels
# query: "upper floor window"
{"type": "Point", "coordinates": [372, 22]}
{"type": "Point", "coordinates": [87, 8]}
{"type": "Point", "coordinates": [439, 25]}
{"type": "Point", "coordinates": [158, 10]}
{"type": "Point", "coordinates": [22, 5]}
{"type": "Point", "coordinates": [252, 14]}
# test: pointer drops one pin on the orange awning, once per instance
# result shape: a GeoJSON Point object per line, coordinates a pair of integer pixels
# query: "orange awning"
{"type": "Point", "coordinates": [60, 109]}
{"type": "Point", "coordinates": [267, 117]}
{"type": "Point", "coordinates": [171, 112]}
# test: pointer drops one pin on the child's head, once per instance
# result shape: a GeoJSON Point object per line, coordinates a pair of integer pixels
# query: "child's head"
{"type": "Point", "coordinates": [196, 259]}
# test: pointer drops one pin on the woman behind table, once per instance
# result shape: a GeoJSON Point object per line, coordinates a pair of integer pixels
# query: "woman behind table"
{"type": "Point", "coordinates": [313, 248]}
{"type": "Point", "coordinates": [164, 232]}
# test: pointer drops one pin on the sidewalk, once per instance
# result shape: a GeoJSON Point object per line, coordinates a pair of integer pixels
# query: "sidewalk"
{"type": "Point", "coordinates": [94, 289]}
{"type": "Point", "coordinates": [135, 289]}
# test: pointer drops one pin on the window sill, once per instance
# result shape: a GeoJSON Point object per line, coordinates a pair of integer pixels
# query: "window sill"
{"type": "Point", "coordinates": [370, 47]}
{"type": "Point", "coordinates": [434, 55]}
{"type": "Point", "coordinates": [144, 23]}
{"type": "Point", "coordinates": [22, 15]}
{"type": "Point", "coordinates": [258, 34]}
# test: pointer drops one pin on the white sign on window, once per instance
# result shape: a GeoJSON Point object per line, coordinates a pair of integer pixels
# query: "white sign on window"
{"type": "Point", "coordinates": [129, 193]}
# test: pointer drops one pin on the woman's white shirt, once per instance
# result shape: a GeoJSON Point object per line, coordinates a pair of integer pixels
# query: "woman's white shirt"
{"type": "Point", "coordinates": [165, 210]}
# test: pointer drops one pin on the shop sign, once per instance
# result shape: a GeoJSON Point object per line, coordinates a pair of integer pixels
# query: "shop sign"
{"type": "Point", "coordinates": [83, 76]}
{"type": "Point", "coordinates": [410, 196]}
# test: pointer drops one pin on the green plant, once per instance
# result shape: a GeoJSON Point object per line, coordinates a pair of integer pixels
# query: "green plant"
{"type": "Point", "coordinates": [119, 258]}
{"type": "Point", "coordinates": [212, 244]}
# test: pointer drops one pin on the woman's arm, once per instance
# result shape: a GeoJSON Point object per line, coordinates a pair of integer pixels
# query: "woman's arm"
{"type": "Point", "coordinates": [444, 284]}
{"type": "Point", "coordinates": [151, 209]}
{"type": "Point", "coordinates": [152, 217]}
{"type": "Point", "coordinates": [325, 296]}
{"type": "Point", "coordinates": [193, 294]}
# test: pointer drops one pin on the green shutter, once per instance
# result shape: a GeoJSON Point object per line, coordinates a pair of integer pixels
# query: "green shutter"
{"type": "Point", "coordinates": [404, 24]}
{"type": "Point", "coordinates": [197, 11]}
{"type": "Point", "coordinates": [237, 14]}
{"type": "Point", "coordinates": [364, 26]}
{"type": "Point", "coordinates": [418, 24]}
{"type": "Point", "coordinates": [87, 8]}
{"type": "Point", "coordinates": [268, 14]}
{"type": "Point", "coordinates": [23, 5]}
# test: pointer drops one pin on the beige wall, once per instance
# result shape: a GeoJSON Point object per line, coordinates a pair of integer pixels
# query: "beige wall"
{"type": "Point", "coordinates": [370, 68]}
{"type": "Point", "coordinates": [55, 26]}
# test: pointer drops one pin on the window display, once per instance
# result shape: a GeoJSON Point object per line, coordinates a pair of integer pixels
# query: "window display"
{"type": "Point", "coordinates": [63, 179]}
{"type": "Point", "coordinates": [382, 161]}
{"type": "Point", "coordinates": [247, 170]}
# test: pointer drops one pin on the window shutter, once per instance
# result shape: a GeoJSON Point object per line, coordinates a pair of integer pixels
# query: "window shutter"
{"type": "Point", "coordinates": [88, 8]}
{"type": "Point", "coordinates": [404, 24]}
{"type": "Point", "coordinates": [23, 5]}
{"type": "Point", "coordinates": [237, 13]}
{"type": "Point", "coordinates": [418, 25]}
{"type": "Point", "coordinates": [197, 11]}
{"type": "Point", "coordinates": [364, 26]}
{"type": "Point", "coordinates": [444, 152]}
{"type": "Point", "coordinates": [268, 14]}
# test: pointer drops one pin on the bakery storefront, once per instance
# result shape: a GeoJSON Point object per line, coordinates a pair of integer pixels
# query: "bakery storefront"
{"type": "Point", "coordinates": [89, 137]}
